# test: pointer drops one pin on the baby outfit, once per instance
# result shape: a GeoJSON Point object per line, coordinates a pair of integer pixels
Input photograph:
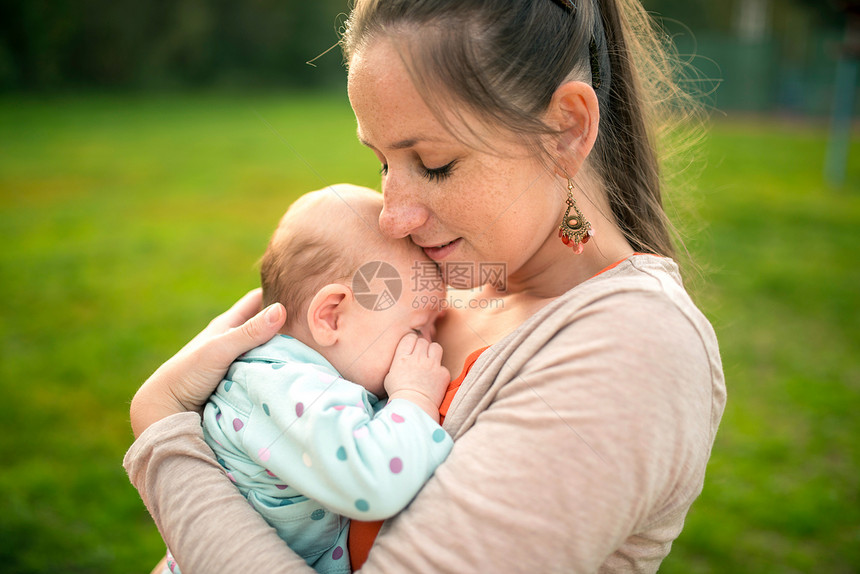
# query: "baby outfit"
{"type": "Point", "coordinates": [309, 450]}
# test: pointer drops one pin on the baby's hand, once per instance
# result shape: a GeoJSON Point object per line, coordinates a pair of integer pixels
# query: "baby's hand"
{"type": "Point", "coordinates": [417, 374]}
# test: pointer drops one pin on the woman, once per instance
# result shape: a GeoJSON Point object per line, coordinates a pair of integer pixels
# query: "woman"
{"type": "Point", "coordinates": [510, 133]}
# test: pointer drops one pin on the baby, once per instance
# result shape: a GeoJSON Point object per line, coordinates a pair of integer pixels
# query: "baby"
{"type": "Point", "coordinates": [300, 423]}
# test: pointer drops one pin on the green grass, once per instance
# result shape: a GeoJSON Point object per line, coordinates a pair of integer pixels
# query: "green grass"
{"type": "Point", "coordinates": [129, 222]}
{"type": "Point", "coordinates": [782, 282]}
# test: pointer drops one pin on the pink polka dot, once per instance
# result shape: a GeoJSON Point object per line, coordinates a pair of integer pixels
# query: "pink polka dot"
{"type": "Point", "coordinates": [339, 407]}
{"type": "Point", "coordinates": [300, 409]}
{"type": "Point", "coordinates": [231, 477]}
{"type": "Point", "coordinates": [264, 454]}
{"type": "Point", "coordinates": [337, 553]}
{"type": "Point", "coordinates": [396, 465]}
{"type": "Point", "coordinates": [281, 486]}
{"type": "Point", "coordinates": [360, 432]}
{"type": "Point", "coordinates": [397, 418]}
{"type": "Point", "coordinates": [237, 425]}
{"type": "Point", "coordinates": [269, 472]}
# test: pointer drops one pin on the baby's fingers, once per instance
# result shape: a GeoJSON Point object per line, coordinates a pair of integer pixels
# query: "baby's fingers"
{"type": "Point", "coordinates": [406, 346]}
{"type": "Point", "coordinates": [434, 351]}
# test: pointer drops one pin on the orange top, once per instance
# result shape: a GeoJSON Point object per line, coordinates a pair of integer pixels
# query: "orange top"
{"type": "Point", "coordinates": [454, 386]}
{"type": "Point", "coordinates": [362, 534]}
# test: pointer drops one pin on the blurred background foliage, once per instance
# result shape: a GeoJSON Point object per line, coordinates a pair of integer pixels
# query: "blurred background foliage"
{"type": "Point", "coordinates": [50, 44]}
{"type": "Point", "coordinates": [770, 53]}
{"type": "Point", "coordinates": [147, 149]}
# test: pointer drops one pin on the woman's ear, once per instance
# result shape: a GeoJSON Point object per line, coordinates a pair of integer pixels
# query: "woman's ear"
{"type": "Point", "coordinates": [575, 114]}
{"type": "Point", "coordinates": [326, 311]}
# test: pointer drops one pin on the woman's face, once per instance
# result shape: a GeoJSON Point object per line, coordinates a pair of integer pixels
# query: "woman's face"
{"type": "Point", "coordinates": [464, 205]}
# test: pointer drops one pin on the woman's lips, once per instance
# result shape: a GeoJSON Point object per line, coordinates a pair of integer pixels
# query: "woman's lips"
{"type": "Point", "coordinates": [440, 252]}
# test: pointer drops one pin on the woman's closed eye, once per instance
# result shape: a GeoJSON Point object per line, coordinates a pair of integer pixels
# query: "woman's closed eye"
{"type": "Point", "coordinates": [433, 174]}
{"type": "Point", "coordinates": [436, 174]}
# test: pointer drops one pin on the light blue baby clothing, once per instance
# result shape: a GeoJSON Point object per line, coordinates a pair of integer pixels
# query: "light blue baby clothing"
{"type": "Point", "coordinates": [309, 449]}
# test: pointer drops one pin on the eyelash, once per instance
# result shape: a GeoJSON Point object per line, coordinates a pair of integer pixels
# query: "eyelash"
{"type": "Point", "coordinates": [439, 173]}
{"type": "Point", "coordinates": [435, 174]}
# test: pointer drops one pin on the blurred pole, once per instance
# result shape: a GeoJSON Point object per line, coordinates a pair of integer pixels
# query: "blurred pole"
{"type": "Point", "coordinates": [752, 26]}
{"type": "Point", "coordinates": [751, 20]}
{"type": "Point", "coordinates": [843, 99]}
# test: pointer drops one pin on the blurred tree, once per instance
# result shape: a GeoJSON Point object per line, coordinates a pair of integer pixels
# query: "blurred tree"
{"type": "Point", "coordinates": [767, 54]}
{"type": "Point", "coordinates": [45, 44]}
{"type": "Point", "coordinates": [704, 15]}
{"type": "Point", "coordinates": [695, 14]}
{"type": "Point", "coordinates": [128, 43]}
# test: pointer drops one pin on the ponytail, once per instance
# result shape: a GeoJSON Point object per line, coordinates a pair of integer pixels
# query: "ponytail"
{"type": "Point", "coordinates": [625, 147]}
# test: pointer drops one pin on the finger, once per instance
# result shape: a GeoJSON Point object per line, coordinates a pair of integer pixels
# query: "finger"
{"type": "Point", "coordinates": [435, 352]}
{"type": "Point", "coordinates": [406, 345]}
{"type": "Point", "coordinates": [252, 333]}
{"type": "Point", "coordinates": [241, 311]}
{"type": "Point", "coordinates": [421, 346]}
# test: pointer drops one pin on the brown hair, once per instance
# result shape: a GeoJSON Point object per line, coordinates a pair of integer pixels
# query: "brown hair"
{"type": "Point", "coordinates": [297, 265]}
{"type": "Point", "coordinates": [504, 60]}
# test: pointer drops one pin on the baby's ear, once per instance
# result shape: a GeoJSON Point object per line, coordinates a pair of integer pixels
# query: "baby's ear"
{"type": "Point", "coordinates": [325, 312]}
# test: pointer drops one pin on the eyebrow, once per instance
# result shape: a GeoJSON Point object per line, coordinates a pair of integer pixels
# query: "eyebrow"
{"type": "Point", "coordinates": [402, 144]}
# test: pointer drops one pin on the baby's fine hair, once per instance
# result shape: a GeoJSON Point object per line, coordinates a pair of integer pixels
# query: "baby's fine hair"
{"type": "Point", "coordinates": [297, 264]}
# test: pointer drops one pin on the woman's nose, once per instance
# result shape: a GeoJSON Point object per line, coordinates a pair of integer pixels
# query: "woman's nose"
{"type": "Point", "coordinates": [401, 212]}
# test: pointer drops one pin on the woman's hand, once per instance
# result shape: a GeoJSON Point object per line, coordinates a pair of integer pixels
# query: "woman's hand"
{"type": "Point", "coordinates": [187, 379]}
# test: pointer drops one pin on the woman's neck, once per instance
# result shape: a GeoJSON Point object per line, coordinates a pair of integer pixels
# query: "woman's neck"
{"type": "Point", "coordinates": [555, 269]}
{"type": "Point", "coordinates": [483, 316]}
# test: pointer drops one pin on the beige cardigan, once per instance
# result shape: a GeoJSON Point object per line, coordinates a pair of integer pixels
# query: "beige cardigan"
{"type": "Point", "coordinates": [581, 442]}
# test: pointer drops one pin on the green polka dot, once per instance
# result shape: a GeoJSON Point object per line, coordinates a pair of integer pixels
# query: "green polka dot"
{"type": "Point", "coordinates": [362, 505]}
{"type": "Point", "coordinates": [318, 514]}
{"type": "Point", "coordinates": [227, 384]}
{"type": "Point", "coordinates": [341, 453]}
{"type": "Point", "coordinates": [438, 435]}
{"type": "Point", "coordinates": [266, 410]}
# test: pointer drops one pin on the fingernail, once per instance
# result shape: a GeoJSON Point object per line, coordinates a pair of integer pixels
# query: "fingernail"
{"type": "Point", "coordinates": [272, 314]}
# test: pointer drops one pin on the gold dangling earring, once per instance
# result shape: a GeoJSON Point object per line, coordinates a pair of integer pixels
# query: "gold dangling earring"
{"type": "Point", "coordinates": [575, 230]}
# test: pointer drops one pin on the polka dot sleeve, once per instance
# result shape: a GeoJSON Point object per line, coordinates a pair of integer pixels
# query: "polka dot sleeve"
{"type": "Point", "coordinates": [302, 431]}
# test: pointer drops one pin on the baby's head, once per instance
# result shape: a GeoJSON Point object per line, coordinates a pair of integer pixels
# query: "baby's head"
{"type": "Point", "coordinates": [350, 293]}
